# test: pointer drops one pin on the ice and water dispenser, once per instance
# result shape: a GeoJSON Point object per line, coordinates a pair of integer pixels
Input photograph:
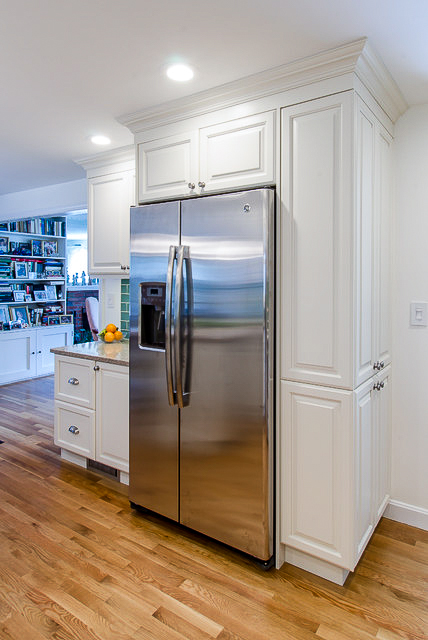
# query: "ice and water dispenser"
{"type": "Point", "coordinates": [152, 318]}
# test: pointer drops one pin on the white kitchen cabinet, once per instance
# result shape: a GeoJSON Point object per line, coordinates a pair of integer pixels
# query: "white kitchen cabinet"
{"type": "Point", "coordinates": [109, 200]}
{"type": "Point", "coordinates": [112, 410]}
{"type": "Point", "coordinates": [335, 457]}
{"type": "Point", "coordinates": [228, 155]}
{"type": "Point", "coordinates": [25, 353]}
{"type": "Point", "coordinates": [335, 243]}
{"type": "Point", "coordinates": [316, 458]}
{"type": "Point", "coordinates": [92, 412]}
{"type": "Point", "coordinates": [111, 193]}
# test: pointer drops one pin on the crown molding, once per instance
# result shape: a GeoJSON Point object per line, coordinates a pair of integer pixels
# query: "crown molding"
{"type": "Point", "coordinates": [112, 156]}
{"type": "Point", "coordinates": [376, 78]}
{"type": "Point", "coordinates": [349, 58]}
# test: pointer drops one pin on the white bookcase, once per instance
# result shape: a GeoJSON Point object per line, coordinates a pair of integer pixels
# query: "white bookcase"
{"type": "Point", "coordinates": [33, 312]}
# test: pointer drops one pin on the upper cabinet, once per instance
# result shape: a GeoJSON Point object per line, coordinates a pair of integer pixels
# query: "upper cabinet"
{"type": "Point", "coordinates": [335, 327]}
{"type": "Point", "coordinates": [232, 154]}
{"type": "Point", "coordinates": [111, 193]}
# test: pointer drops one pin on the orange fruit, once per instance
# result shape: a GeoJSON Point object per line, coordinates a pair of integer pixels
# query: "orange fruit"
{"type": "Point", "coordinates": [118, 335]}
{"type": "Point", "coordinates": [108, 336]}
{"type": "Point", "coordinates": [111, 327]}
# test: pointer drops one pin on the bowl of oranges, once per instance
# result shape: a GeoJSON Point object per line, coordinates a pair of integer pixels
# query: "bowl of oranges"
{"type": "Point", "coordinates": [111, 334]}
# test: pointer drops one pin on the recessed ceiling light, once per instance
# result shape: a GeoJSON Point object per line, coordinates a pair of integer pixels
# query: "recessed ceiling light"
{"type": "Point", "coordinates": [100, 140]}
{"type": "Point", "coordinates": [179, 72]}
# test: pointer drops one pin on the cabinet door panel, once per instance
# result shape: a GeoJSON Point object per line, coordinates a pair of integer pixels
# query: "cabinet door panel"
{"type": "Point", "coordinates": [316, 254]}
{"type": "Point", "coordinates": [238, 153]}
{"type": "Point", "coordinates": [316, 444]}
{"type": "Point", "coordinates": [364, 461]}
{"type": "Point", "coordinates": [166, 166]}
{"type": "Point", "coordinates": [364, 247]}
{"type": "Point", "coordinates": [48, 339]}
{"type": "Point", "coordinates": [112, 416]}
{"type": "Point", "coordinates": [109, 200]}
{"type": "Point", "coordinates": [383, 246]}
{"type": "Point", "coordinates": [18, 355]}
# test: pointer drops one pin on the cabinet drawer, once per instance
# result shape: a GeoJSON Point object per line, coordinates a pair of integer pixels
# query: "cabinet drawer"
{"type": "Point", "coordinates": [75, 429]}
{"type": "Point", "coordinates": [75, 381]}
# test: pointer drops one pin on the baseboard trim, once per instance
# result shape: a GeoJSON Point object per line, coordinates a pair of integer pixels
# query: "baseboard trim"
{"type": "Point", "coordinates": [316, 565]}
{"type": "Point", "coordinates": [407, 513]}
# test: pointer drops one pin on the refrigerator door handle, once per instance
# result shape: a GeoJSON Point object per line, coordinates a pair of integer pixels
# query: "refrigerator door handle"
{"type": "Point", "coordinates": [168, 326]}
{"type": "Point", "coordinates": [182, 255]}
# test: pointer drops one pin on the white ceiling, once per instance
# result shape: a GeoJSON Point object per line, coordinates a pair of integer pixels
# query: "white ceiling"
{"type": "Point", "coordinates": [68, 69]}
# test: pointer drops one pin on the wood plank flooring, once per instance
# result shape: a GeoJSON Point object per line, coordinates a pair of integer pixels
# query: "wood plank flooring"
{"type": "Point", "coordinates": [76, 562]}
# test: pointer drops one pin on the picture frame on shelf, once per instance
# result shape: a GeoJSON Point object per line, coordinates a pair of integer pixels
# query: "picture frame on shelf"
{"type": "Point", "coordinates": [4, 245]}
{"type": "Point", "coordinates": [18, 296]}
{"type": "Point", "coordinates": [20, 314]}
{"type": "Point", "coordinates": [13, 248]}
{"type": "Point", "coordinates": [50, 292]}
{"type": "Point", "coordinates": [36, 248]}
{"type": "Point", "coordinates": [28, 297]}
{"type": "Point", "coordinates": [52, 320]}
{"type": "Point", "coordinates": [4, 226]}
{"type": "Point", "coordinates": [24, 248]}
{"type": "Point", "coordinates": [39, 296]}
{"type": "Point", "coordinates": [66, 319]}
{"type": "Point", "coordinates": [4, 314]}
{"type": "Point", "coordinates": [21, 269]}
{"type": "Point", "coordinates": [50, 248]}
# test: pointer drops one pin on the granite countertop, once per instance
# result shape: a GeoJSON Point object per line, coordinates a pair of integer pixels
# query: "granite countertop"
{"type": "Point", "coordinates": [113, 353]}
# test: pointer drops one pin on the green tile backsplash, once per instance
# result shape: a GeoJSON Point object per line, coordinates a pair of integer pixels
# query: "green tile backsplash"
{"type": "Point", "coordinates": [124, 307]}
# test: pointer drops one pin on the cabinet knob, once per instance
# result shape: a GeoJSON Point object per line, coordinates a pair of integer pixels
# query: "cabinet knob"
{"type": "Point", "coordinates": [201, 185]}
{"type": "Point", "coordinates": [376, 386]}
{"type": "Point", "coordinates": [73, 381]}
{"type": "Point", "coordinates": [96, 368]}
{"type": "Point", "coordinates": [39, 352]}
{"type": "Point", "coordinates": [376, 366]}
{"type": "Point", "coordinates": [381, 364]}
{"type": "Point", "coordinates": [381, 384]}
{"type": "Point", "coordinates": [33, 353]}
{"type": "Point", "coordinates": [74, 430]}
{"type": "Point", "coordinates": [191, 185]}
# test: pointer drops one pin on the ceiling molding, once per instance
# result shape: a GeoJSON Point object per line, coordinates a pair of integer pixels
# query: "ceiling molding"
{"type": "Point", "coordinates": [375, 76]}
{"type": "Point", "coordinates": [110, 157]}
{"type": "Point", "coordinates": [355, 57]}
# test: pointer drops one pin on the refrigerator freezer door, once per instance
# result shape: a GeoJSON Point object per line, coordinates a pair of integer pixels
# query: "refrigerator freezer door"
{"type": "Point", "coordinates": [226, 439]}
{"type": "Point", "coordinates": [153, 425]}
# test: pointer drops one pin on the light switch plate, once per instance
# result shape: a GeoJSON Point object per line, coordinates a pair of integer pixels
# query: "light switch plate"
{"type": "Point", "coordinates": [418, 314]}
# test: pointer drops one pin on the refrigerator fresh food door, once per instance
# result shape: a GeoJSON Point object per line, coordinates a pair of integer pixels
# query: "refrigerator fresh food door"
{"type": "Point", "coordinates": [154, 429]}
{"type": "Point", "coordinates": [226, 425]}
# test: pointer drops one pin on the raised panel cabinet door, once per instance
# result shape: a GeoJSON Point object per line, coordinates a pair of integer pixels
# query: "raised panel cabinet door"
{"type": "Point", "coordinates": [316, 242]}
{"type": "Point", "coordinates": [47, 339]}
{"type": "Point", "coordinates": [18, 355]}
{"type": "Point", "coordinates": [167, 166]}
{"type": "Point", "coordinates": [109, 200]}
{"type": "Point", "coordinates": [237, 153]}
{"type": "Point", "coordinates": [364, 464]}
{"type": "Point", "coordinates": [382, 445]}
{"type": "Point", "coordinates": [112, 416]}
{"type": "Point", "coordinates": [365, 250]}
{"type": "Point", "coordinates": [316, 467]}
{"type": "Point", "coordinates": [382, 302]}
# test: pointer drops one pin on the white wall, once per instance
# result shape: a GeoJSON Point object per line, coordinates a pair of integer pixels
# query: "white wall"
{"type": "Point", "coordinates": [53, 199]}
{"type": "Point", "coordinates": [410, 344]}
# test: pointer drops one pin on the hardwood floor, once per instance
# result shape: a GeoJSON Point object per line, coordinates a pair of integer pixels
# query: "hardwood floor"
{"type": "Point", "coordinates": [78, 563]}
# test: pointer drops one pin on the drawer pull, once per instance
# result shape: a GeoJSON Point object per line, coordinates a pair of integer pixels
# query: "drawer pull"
{"type": "Point", "coordinates": [73, 381]}
{"type": "Point", "coordinates": [74, 430]}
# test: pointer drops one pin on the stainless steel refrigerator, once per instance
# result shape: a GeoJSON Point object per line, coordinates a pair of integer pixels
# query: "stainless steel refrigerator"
{"type": "Point", "coordinates": [201, 365]}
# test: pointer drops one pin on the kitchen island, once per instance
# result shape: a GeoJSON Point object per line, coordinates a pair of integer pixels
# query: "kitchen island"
{"type": "Point", "coordinates": [92, 406]}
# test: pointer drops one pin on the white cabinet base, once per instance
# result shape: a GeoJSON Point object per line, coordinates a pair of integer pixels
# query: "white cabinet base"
{"type": "Point", "coordinates": [315, 565]}
{"type": "Point", "coordinates": [69, 456]}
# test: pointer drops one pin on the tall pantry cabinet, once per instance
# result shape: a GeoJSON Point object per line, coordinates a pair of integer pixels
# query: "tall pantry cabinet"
{"type": "Point", "coordinates": [320, 130]}
{"type": "Point", "coordinates": [335, 328]}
